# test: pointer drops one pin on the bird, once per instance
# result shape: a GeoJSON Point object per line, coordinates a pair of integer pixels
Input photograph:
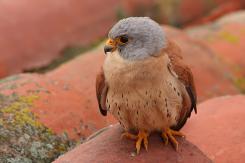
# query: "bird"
{"type": "Point", "coordinates": [144, 82]}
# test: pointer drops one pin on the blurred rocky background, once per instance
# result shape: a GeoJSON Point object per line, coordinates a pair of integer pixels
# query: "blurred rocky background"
{"type": "Point", "coordinates": [52, 50]}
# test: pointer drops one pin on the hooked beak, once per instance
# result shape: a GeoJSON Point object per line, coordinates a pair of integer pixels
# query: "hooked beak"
{"type": "Point", "coordinates": [110, 46]}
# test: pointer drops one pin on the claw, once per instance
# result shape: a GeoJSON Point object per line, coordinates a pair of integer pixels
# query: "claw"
{"type": "Point", "coordinates": [142, 136]}
{"type": "Point", "coordinates": [165, 138]}
{"type": "Point", "coordinates": [169, 134]}
{"type": "Point", "coordinates": [146, 143]}
{"type": "Point", "coordinates": [129, 136]}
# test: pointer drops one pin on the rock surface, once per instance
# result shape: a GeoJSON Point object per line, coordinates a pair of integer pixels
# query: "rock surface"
{"type": "Point", "coordinates": [218, 129]}
{"type": "Point", "coordinates": [223, 8]}
{"type": "Point", "coordinates": [173, 12]}
{"type": "Point", "coordinates": [34, 33]}
{"type": "Point", "coordinates": [66, 100]}
{"type": "Point", "coordinates": [22, 138]}
{"type": "Point", "coordinates": [225, 38]}
{"type": "Point", "coordinates": [108, 147]}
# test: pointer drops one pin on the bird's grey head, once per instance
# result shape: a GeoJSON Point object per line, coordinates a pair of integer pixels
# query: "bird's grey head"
{"type": "Point", "coordinates": [136, 38]}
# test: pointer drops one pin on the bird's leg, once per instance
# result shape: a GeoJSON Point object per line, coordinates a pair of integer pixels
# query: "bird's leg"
{"type": "Point", "coordinates": [142, 136]}
{"type": "Point", "coordinates": [168, 135]}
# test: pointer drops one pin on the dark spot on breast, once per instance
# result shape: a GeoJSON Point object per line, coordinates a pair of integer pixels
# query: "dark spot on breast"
{"type": "Point", "coordinates": [116, 104]}
{"type": "Point", "coordinates": [147, 103]}
{"type": "Point", "coordinates": [178, 93]}
{"type": "Point", "coordinates": [122, 124]}
{"type": "Point", "coordinates": [122, 95]}
{"type": "Point", "coordinates": [174, 89]}
{"type": "Point", "coordinates": [155, 102]}
{"type": "Point", "coordinates": [119, 107]}
{"type": "Point", "coordinates": [127, 104]}
{"type": "Point", "coordinates": [109, 106]}
{"type": "Point", "coordinates": [118, 113]}
{"type": "Point", "coordinates": [166, 102]}
{"type": "Point", "coordinates": [168, 113]}
{"type": "Point", "coordinates": [146, 92]}
{"type": "Point", "coordinates": [107, 100]}
{"type": "Point", "coordinates": [160, 92]}
{"type": "Point", "coordinates": [137, 112]}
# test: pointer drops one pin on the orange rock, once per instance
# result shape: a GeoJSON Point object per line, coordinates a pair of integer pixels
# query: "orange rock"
{"type": "Point", "coordinates": [67, 101]}
{"type": "Point", "coordinates": [224, 7]}
{"type": "Point", "coordinates": [182, 13]}
{"type": "Point", "coordinates": [33, 33]}
{"type": "Point", "coordinates": [45, 28]}
{"type": "Point", "coordinates": [225, 38]}
{"type": "Point", "coordinates": [228, 43]}
{"type": "Point", "coordinates": [218, 129]}
{"type": "Point", "coordinates": [108, 147]}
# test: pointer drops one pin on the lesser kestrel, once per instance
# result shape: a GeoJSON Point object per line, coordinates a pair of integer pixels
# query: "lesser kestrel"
{"type": "Point", "coordinates": [144, 82]}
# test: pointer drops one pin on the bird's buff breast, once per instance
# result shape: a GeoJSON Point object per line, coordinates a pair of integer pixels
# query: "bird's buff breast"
{"type": "Point", "coordinates": [142, 94]}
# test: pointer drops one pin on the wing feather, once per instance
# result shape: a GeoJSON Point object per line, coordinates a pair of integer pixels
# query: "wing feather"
{"type": "Point", "coordinates": [101, 92]}
{"type": "Point", "coordinates": [184, 74]}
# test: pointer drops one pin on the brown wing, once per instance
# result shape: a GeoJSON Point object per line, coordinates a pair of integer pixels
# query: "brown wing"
{"type": "Point", "coordinates": [101, 92]}
{"type": "Point", "coordinates": [184, 74]}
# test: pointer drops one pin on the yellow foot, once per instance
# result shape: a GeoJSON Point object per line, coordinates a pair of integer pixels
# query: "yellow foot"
{"type": "Point", "coordinates": [169, 134]}
{"type": "Point", "coordinates": [142, 136]}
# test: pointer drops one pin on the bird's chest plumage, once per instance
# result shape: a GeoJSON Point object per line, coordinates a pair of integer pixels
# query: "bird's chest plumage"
{"type": "Point", "coordinates": [142, 94]}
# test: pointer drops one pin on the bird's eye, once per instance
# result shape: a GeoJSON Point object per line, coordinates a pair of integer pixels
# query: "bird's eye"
{"type": "Point", "coordinates": [123, 39]}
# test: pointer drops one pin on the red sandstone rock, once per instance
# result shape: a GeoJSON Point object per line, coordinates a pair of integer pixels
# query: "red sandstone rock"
{"type": "Point", "coordinates": [218, 129]}
{"type": "Point", "coordinates": [184, 12]}
{"type": "Point", "coordinates": [225, 38]}
{"type": "Point", "coordinates": [108, 147]}
{"type": "Point", "coordinates": [223, 8]}
{"type": "Point", "coordinates": [33, 33]}
{"type": "Point", "coordinates": [67, 101]}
